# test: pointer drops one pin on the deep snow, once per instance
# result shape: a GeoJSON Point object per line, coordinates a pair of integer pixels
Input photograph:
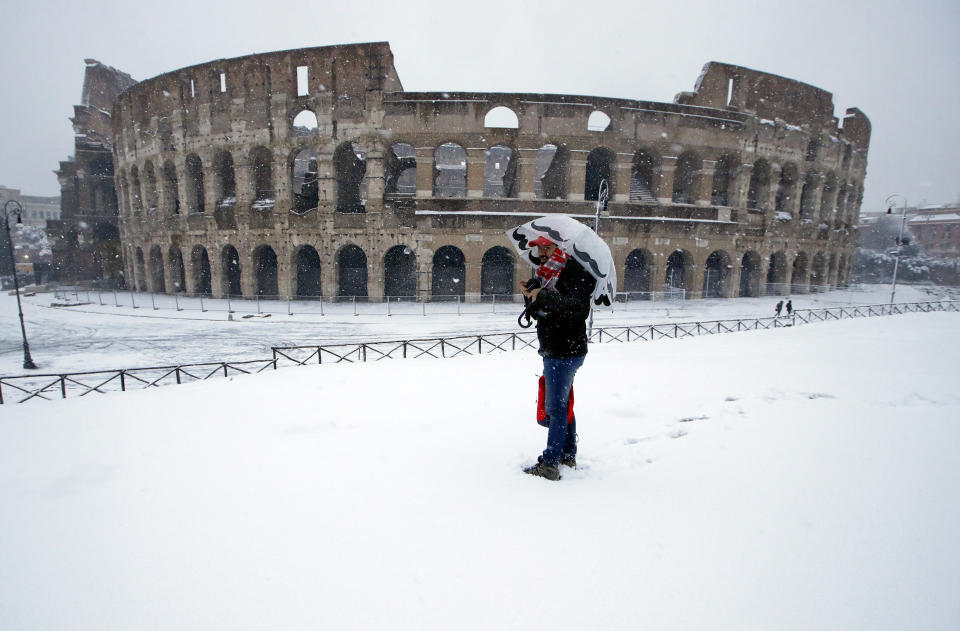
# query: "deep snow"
{"type": "Point", "coordinates": [799, 478]}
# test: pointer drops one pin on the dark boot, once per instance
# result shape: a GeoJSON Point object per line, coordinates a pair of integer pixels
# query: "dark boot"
{"type": "Point", "coordinates": [565, 460]}
{"type": "Point", "coordinates": [544, 470]}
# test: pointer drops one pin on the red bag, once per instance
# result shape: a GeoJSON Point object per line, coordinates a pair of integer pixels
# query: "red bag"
{"type": "Point", "coordinates": [542, 409]}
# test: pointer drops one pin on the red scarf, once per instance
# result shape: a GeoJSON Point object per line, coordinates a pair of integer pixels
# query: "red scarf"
{"type": "Point", "coordinates": [550, 271]}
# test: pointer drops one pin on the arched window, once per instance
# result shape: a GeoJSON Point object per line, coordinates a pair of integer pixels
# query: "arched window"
{"type": "Point", "coordinates": [759, 189]}
{"type": "Point", "coordinates": [777, 275]}
{"type": "Point", "coordinates": [500, 172]}
{"type": "Point", "coordinates": [171, 190]}
{"type": "Point", "coordinates": [157, 283]}
{"type": "Point", "coordinates": [787, 189]}
{"type": "Point", "coordinates": [308, 272]}
{"type": "Point", "coordinates": [722, 174]}
{"type": "Point", "coordinates": [350, 169]}
{"type": "Point", "coordinates": [195, 201]}
{"type": "Point", "coordinates": [449, 272]}
{"type": "Point", "coordinates": [828, 197]}
{"type": "Point", "coordinates": [750, 275]}
{"type": "Point", "coordinates": [400, 273]}
{"type": "Point", "coordinates": [140, 271]}
{"type": "Point", "coordinates": [686, 178]}
{"type": "Point", "coordinates": [265, 264]}
{"type": "Point", "coordinates": [716, 274]}
{"type": "Point", "coordinates": [450, 171]}
{"type": "Point", "coordinates": [263, 192]}
{"type": "Point", "coordinates": [224, 179]}
{"type": "Point", "coordinates": [230, 264]}
{"type": "Point", "coordinates": [799, 277]}
{"type": "Point", "coordinates": [678, 265]}
{"type": "Point", "coordinates": [351, 272]}
{"type": "Point", "coordinates": [501, 117]}
{"type": "Point", "coordinates": [177, 273]}
{"type": "Point", "coordinates": [808, 196]}
{"type": "Point", "coordinates": [636, 275]}
{"type": "Point", "coordinates": [600, 163]}
{"type": "Point", "coordinates": [305, 124]}
{"type": "Point", "coordinates": [642, 177]}
{"type": "Point", "coordinates": [496, 273]}
{"type": "Point", "coordinates": [818, 272]}
{"type": "Point", "coordinates": [552, 162]}
{"type": "Point", "coordinates": [136, 200]}
{"type": "Point", "coordinates": [150, 191]}
{"type": "Point", "coordinates": [303, 181]}
{"type": "Point", "coordinates": [598, 121]}
{"type": "Point", "coordinates": [400, 171]}
{"type": "Point", "coordinates": [201, 271]}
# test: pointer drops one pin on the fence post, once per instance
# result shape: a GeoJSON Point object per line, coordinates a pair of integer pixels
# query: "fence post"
{"type": "Point", "coordinates": [494, 303]}
{"type": "Point", "coordinates": [133, 299]}
{"type": "Point", "coordinates": [100, 297]}
{"type": "Point", "coordinates": [176, 301]}
{"type": "Point", "coordinates": [115, 300]}
{"type": "Point", "coordinates": [354, 305]}
{"type": "Point", "coordinates": [202, 310]}
{"type": "Point", "coordinates": [153, 300]}
{"type": "Point", "coordinates": [229, 306]}
{"type": "Point", "coordinates": [258, 304]}
{"type": "Point", "coordinates": [443, 351]}
{"type": "Point", "coordinates": [123, 381]}
{"type": "Point", "coordinates": [388, 308]}
{"type": "Point", "coordinates": [321, 305]}
{"type": "Point", "coordinates": [424, 304]}
{"type": "Point", "coordinates": [289, 311]}
{"type": "Point", "coordinates": [458, 305]}
{"type": "Point", "coordinates": [177, 369]}
{"type": "Point", "coordinates": [363, 347]}
{"type": "Point", "coordinates": [63, 386]}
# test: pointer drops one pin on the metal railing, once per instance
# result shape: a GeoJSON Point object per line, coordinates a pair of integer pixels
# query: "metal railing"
{"type": "Point", "coordinates": [24, 388]}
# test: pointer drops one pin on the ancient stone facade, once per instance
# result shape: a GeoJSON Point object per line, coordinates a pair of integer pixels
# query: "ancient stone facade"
{"type": "Point", "coordinates": [310, 172]}
{"type": "Point", "coordinates": [86, 236]}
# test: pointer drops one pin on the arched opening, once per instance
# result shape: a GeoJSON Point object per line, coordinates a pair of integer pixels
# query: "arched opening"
{"type": "Point", "coordinates": [636, 275]}
{"type": "Point", "coordinates": [350, 170]}
{"type": "Point", "coordinates": [786, 189]}
{"type": "Point", "coordinates": [808, 196]}
{"type": "Point", "coordinates": [832, 270]}
{"type": "Point", "coordinates": [750, 275]}
{"type": "Point", "coordinates": [678, 267]}
{"type": "Point", "coordinates": [827, 198]}
{"type": "Point", "coordinates": [102, 199]}
{"type": "Point", "coordinates": [141, 271]}
{"type": "Point", "coordinates": [842, 271]}
{"type": "Point", "coordinates": [136, 200]}
{"type": "Point", "coordinates": [224, 179]}
{"type": "Point", "coordinates": [818, 271]}
{"type": "Point", "coordinates": [777, 275]}
{"type": "Point", "coordinates": [598, 121]}
{"type": "Point", "coordinates": [230, 264]}
{"type": "Point", "coordinates": [150, 192]}
{"type": "Point", "coordinates": [722, 175]}
{"type": "Point", "coordinates": [449, 272]}
{"type": "Point", "coordinates": [157, 283]}
{"type": "Point", "coordinates": [552, 163]}
{"type": "Point", "coordinates": [759, 189]}
{"type": "Point", "coordinates": [716, 275]}
{"type": "Point", "coordinates": [400, 171]}
{"type": "Point", "coordinates": [201, 271]}
{"type": "Point", "coordinates": [303, 181]}
{"type": "Point", "coordinates": [171, 190]}
{"type": "Point", "coordinates": [449, 171]}
{"type": "Point", "coordinates": [123, 193]}
{"type": "Point", "coordinates": [642, 177]}
{"type": "Point", "coordinates": [307, 264]}
{"type": "Point", "coordinates": [195, 201]}
{"type": "Point", "coordinates": [400, 273]}
{"type": "Point", "coordinates": [305, 124]}
{"type": "Point", "coordinates": [106, 254]}
{"type": "Point", "coordinates": [351, 272]}
{"type": "Point", "coordinates": [799, 278]}
{"type": "Point", "coordinates": [496, 273]}
{"type": "Point", "coordinates": [600, 163]}
{"type": "Point", "coordinates": [262, 162]}
{"type": "Point", "coordinates": [500, 172]}
{"type": "Point", "coordinates": [265, 265]}
{"type": "Point", "coordinates": [177, 272]}
{"type": "Point", "coordinates": [686, 178]}
{"type": "Point", "coordinates": [501, 117]}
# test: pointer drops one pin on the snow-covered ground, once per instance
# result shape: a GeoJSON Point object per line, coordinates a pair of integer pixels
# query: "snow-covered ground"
{"type": "Point", "coordinates": [105, 337]}
{"type": "Point", "coordinates": [797, 478]}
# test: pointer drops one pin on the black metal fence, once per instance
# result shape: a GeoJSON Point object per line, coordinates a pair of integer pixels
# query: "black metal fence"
{"type": "Point", "coordinates": [24, 388]}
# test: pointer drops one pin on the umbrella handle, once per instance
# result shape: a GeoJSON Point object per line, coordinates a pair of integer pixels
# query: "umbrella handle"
{"type": "Point", "coordinates": [520, 320]}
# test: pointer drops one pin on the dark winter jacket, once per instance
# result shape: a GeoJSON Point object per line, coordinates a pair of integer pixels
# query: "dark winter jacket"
{"type": "Point", "coordinates": [561, 313]}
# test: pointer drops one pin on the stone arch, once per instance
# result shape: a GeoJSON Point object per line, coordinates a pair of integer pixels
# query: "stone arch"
{"type": "Point", "coordinates": [786, 189]}
{"type": "Point", "coordinates": [600, 166]}
{"type": "Point", "coordinates": [679, 270]}
{"type": "Point", "coordinates": [496, 272]}
{"type": "Point", "coordinates": [722, 177]}
{"type": "Point", "coordinates": [202, 278]}
{"type": "Point", "coordinates": [230, 264]}
{"type": "Point", "coordinates": [157, 283]}
{"type": "Point", "coordinates": [136, 199]}
{"type": "Point", "coordinates": [501, 117]}
{"type": "Point", "coordinates": [552, 165]}
{"type": "Point", "coordinates": [716, 274]}
{"type": "Point", "coordinates": [842, 271]}
{"type": "Point", "coordinates": [194, 168]}
{"type": "Point", "coordinates": [400, 272]}
{"type": "Point", "coordinates": [777, 274]}
{"type": "Point", "coordinates": [106, 253]}
{"type": "Point", "coordinates": [177, 271]}
{"type": "Point", "coordinates": [306, 262]}
{"type": "Point", "coordinates": [171, 190]}
{"type": "Point", "coordinates": [351, 272]}
{"type": "Point", "coordinates": [303, 180]}
{"type": "Point", "coordinates": [400, 171]}
{"type": "Point", "coordinates": [123, 193]}
{"type": "Point", "coordinates": [449, 171]}
{"type": "Point", "coordinates": [599, 121]}
{"type": "Point", "coordinates": [150, 187]}
{"type": "Point", "coordinates": [449, 272]}
{"type": "Point", "coordinates": [828, 197]}
{"type": "Point", "coordinates": [261, 161]}
{"type": "Point", "coordinates": [799, 278]}
{"type": "Point", "coordinates": [839, 214]}
{"type": "Point", "coordinates": [304, 123]}
{"type": "Point", "coordinates": [686, 178]}
{"type": "Point", "coordinates": [140, 272]}
{"type": "Point", "coordinates": [643, 176]}
{"type": "Point", "coordinates": [224, 179]}
{"type": "Point", "coordinates": [750, 277]}
{"type": "Point", "coordinates": [500, 172]}
{"type": "Point", "coordinates": [350, 171]}
{"type": "Point", "coordinates": [832, 269]}
{"type": "Point", "coordinates": [759, 188]}
{"type": "Point", "coordinates": [808, 196]}
{"type": "Point", "coordinates": [265, 268]}
{"type": "Point", "coordinates": [818, 271]}
{"type": "Point", "coordinates": [637, 272]}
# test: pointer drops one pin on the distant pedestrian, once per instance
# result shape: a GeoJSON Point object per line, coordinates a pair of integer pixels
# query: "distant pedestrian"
{"type": "Point", "coordinates": [789, 307]}
{"type": "Point", "coordinates": [778, 308]}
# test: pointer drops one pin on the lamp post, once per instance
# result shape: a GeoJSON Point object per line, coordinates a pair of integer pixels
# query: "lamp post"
{"type": "Point", "coordinates": [903, 222]}
{"type": "Point", "coordinates": [603, 198]}
{"type": "Point", "coordinates": [18, 210]}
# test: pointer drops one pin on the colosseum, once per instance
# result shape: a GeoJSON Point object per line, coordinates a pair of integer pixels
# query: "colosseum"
{"type": "Point", "coordinates": [311, 172]}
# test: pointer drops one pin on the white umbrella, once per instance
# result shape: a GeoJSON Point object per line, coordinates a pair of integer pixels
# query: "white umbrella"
{"type": "Point", "coordinates": [577, 240]}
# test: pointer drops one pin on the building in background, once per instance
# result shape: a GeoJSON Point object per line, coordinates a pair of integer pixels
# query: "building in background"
{"type": "Point", "coordinates": [937, 230]}
{"type": "Point", "coordinates": [37, 210]}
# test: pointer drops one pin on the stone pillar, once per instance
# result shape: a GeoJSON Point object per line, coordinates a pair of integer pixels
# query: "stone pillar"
{"type": "Point", "coordinates": [527, 174]}
{"type": "Point", "coordinates": [374, 177]}
{"type": "Point", "coordinates": [217, 272]}
{"type": "Point", "coordinates": [248, 273]}
{"type": "Point", "coordinates": [329, 286]}
{"type": "Point", "coordinates": [476, 163]}
{"type": "Point", "coordinates": [694, 281]}
{"type": "Point", "coordinates": [577, 175]}
{"type": "Point", "coordinates": [375, 274]}
{"type": "Point", "coordinates": [424, 157]}
{"type": "Point", "coordinates": [740, 186]}
{"type": "Point", "coordinates": [732, 287]}
{"type": "Point", "coordinates": [474, 265]}
{"type": "Point", "coordinates": [622, 173]}
{"type": "Point", "coordinates": [286, 273]}
{"type": "Point", "coordinates": [209, 194]}
{"type": "Point", "coordinates": [664, 192]}
{"type": "Point", "coordinates": [705, 186]}
{"type": "Point", "coordinates": [424, 274]}
{"type": "Point", "coordinates": [189, 272]}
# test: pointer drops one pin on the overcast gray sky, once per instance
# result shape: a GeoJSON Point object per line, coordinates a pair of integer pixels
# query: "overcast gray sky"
{"type": "Point", "coordinates": [899, 62]}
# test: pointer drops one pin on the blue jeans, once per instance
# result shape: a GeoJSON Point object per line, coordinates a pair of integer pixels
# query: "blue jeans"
{"type": "Point", "coordinates": [558, 378]}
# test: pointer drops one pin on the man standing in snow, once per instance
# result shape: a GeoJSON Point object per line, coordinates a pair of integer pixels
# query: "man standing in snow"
{"type": "Point", "coordinates": [778, 308]}
{"type": "Point", "coordinates": [789, 307]}
{"type": "Point", "coordinates": [560, 303]}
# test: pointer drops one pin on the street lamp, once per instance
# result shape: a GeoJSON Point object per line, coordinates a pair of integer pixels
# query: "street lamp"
{"type": "Point", "coordinates": [18, 210]}
{"type": "Point", "coordinates": [603, 198]}
{"type": "Point", "coordinates": [903, 222]}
